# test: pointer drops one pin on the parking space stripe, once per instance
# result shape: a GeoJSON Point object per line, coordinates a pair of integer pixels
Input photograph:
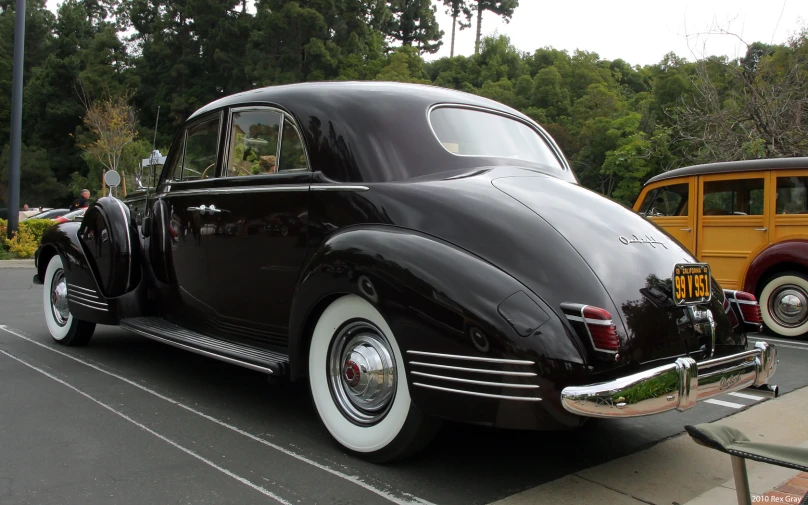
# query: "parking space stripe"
{"type": "Point", "coordinates": [748, 397]}
{"type": "Point", "coordinates": [407, 499]}
{"type": "Point", "coordinates": [225, 471]}
{"type": "Point", "coordinates": [787, 346]}
{"type": "Point", "coordinates": [725, 404]}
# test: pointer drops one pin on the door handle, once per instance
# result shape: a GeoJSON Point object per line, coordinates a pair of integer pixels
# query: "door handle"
{"type": "Point", "coordinates": [685, 229]}
{"type": "Point", "coordinates": [205, 210]}
{"type": "Point", "coordinates": [762, 229]}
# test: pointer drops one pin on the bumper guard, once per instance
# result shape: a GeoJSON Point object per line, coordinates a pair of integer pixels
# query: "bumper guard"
{"type": "Point", "coordinates": [676, 386]}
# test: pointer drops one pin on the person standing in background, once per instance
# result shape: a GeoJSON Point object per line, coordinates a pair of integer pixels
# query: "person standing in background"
{"type": "Point", "coordinates": [82, 201]}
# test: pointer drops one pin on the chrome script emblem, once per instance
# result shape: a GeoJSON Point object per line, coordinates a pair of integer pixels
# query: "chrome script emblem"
{"type": "Point", "coordinates": [729, 381]}
{"type": "Point", "coordinates": [644, 240]}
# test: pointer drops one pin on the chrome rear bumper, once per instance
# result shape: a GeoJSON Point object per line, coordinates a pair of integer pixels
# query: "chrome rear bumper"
{"type": "Point", "coordinates": [676, 386]}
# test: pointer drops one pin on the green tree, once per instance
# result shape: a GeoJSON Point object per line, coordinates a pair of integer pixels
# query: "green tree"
{"type": "Point", "coordinates": [456, 9]}
{"type": "Point", "coordinates": [502, 8]}
{"type": "Point", "coordinates": [413, 23]}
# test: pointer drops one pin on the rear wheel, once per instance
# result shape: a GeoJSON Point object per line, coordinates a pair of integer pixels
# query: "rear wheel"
{"type": "Point", "coordinates": [63, 327]}
{"type": "Point", "coordinates": [359, 387]}
{"type": "Point", "coordinates": [784, 304]}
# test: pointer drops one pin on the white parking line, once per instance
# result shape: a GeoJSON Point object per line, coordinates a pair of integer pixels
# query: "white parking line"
{"type": "Point", "coordinates": [408, 500]}
{"type": "Point", "coordinates": [787, 346]}
{"type": "Point", "coordinates": [748, 397]}
{"type": "Point", "coordinates": [149, 430]}
{"type": "Point", "coordinates": [777, 341]}
{"type": "Point", "coordinates": [725, 404]}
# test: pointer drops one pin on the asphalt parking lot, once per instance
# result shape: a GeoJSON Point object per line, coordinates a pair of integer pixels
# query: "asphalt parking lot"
{"type": "Point", "coordinates": [129, 420]}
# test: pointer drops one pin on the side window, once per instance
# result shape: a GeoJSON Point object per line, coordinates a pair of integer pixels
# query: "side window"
{"type": "Point", "coordinates": [173, 168]}
{"type": "Point", "coordinates": [792, 195]}
{"type": "Point", "coordinates": [733, 197]}
{"type": "Point", "coordinates": [293, 156]}
{"type": "Point", "coordinates": [254, 142]}
{"type": "Point", "coordinates": [666, 201]}
{"type": "Point", "coordinates": [201, 150]}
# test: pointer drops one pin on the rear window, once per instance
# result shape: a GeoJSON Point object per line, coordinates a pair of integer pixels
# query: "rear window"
{"type": "Point", "coordinates": [470, 132]}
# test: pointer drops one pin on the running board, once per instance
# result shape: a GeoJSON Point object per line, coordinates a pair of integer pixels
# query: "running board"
{"type": "Point", "coordinates": [157, 328]}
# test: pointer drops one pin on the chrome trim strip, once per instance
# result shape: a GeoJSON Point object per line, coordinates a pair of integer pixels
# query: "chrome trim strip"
{"type": "Point", "coordinates": [597, 322]}
{"type": "Point", "coordinates": [600, 322]}
{"type": "Point", "coordinates": [240, 189]}
{"type": "Point", "coordinates": [79, 298]}
{"type": "Point", "coordinates": [479, 383]}
{"type": "Point", "coordinates": [88, 306]}
{"type": "Point", "coordinates": [477, 370]}
{"type": "Point", "coordinates": [685, 382]}
{"type": "Point", "coordinates": [472, 358]}
{"type": "Point", "coordinates": [333, 187]}
{"type": "Point", "coordinates": [473, 393]}
{"type": "Point", "coordinates": [94, 292]}
{"type": "Point", "coordinates": [203, 352]}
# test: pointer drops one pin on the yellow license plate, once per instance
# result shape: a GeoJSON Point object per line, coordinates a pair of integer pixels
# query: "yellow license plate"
{"type": "Point", "coordinates": [691, 283]}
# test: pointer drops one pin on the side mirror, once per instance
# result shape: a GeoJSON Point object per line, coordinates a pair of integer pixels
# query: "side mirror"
{"type": "Point", "coordinates": [112, 178]}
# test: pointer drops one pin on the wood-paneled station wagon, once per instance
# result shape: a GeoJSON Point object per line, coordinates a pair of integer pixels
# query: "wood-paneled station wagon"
{"type": "Point", "coordinates": [749, 221]}
{"type": "Point", "coordinates": [414, 254]}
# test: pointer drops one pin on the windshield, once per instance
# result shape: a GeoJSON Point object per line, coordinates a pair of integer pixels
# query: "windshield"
{"type": "Point", "coordinates": [470, 132]}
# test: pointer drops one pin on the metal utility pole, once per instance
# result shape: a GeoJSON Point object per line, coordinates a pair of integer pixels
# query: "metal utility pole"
{"type": "Point", "coordinates": [16, 121]}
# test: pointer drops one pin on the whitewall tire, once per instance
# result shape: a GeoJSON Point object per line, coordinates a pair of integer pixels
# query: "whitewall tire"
{"type": "Point", "coordinates": [63, 327]}
{"type": "Point", "coordinates": [784, 304]}
{"type": "Point", "coordinates": [358, 384]}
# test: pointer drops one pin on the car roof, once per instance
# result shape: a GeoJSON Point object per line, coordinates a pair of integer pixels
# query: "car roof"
{"type": "Point", "coordinates": [732, 166]}
{"type": "Point", "coordinates": [366, 131]}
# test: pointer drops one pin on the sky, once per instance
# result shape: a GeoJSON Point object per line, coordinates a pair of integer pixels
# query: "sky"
{"type": "Point", "coordinates": [639, 32]}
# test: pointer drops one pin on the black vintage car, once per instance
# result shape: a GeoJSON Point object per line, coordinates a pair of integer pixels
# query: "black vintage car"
{"type": "Point", "coordinates": [415, 254]}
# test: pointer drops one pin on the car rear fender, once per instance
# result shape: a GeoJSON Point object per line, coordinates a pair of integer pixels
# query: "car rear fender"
{"type": "Point", "coordinates": [436, 297]}
{"type": "Point", "coordinates": [783, 256]}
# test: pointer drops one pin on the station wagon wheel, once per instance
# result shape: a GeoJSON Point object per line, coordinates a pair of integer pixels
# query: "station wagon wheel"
{"type": "Point", "coordinates": [784, 304]}
{"type": "Point", "coordinates": [63, 327]}
{"type": "Point", "coordinates": [358, 384]}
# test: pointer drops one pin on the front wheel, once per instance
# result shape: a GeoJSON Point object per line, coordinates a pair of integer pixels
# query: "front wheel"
{"type": "Point", "coordinates": [63, 327]}
{"type": "Point", "coordinates": [359, 387]}
{"type": "Point", "coordinates": [784, 304]}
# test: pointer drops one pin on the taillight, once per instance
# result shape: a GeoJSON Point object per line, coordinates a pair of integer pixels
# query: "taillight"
{"type": "Point", "coordinates": [750, 310]}
{"type": "Point", "coordinates": [594, 323]}
{"type": "Point", "coordinates": [601, 328]}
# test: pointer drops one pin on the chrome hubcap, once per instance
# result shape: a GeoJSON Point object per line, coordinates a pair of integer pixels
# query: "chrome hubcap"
{"type": "Point", "coordinates": [58, 298]}
{"type": "Point", "coordinates": [788, 305]}
{"type": "Point", "coordinates": [362, 373]}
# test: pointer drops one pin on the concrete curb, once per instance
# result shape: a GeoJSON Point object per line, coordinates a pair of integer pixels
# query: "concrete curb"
{"type": "Point", "coordinates": [17, 264]}
{"type": "Point", "coordinates": [679, 470]}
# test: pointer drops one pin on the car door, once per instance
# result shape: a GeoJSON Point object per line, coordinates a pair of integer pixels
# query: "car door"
{"type": "Point", "coordinates": [789, 208]}
{"type": "Point", "coordinates": [259, 245]}
{"type": "Point", "coordinates": [671, 206]}
{"type": "Point", "coordinates": [183, 226]}
{"type": "Point", "coordinates": [733, 218]}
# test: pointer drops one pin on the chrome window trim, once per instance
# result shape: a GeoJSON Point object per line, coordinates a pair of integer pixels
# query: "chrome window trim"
{"type": "Point", "coordinates": [474, 393]}
{"type": "Point", "coordinates": [337, 187]}
{"type": "Point", "coordinates": [473, 370]}
{"type": "Point", "coordinates": [545, 137]}
{"type": "Point", "coordinates": [476, 382]}
{"type": "Point", "coordinates": [285, 116]}
{"type": "Point", "coordinates": [472, 358]}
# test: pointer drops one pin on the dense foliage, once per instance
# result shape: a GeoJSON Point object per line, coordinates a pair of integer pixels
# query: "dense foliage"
{"type": "Point", "coordinates": [618, 124]}
{"type": "Point", "coordinates": [25, 241]}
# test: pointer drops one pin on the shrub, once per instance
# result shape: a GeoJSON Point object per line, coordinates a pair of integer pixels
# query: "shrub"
{"type": "Point", "coordinates": [25, 242]}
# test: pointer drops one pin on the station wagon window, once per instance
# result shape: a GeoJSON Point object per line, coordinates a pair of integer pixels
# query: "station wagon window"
{"type": "Point", "coordinates": [201, 150]}
{"type": "Point", "coordinates": [792, 195]}
{"type": "Point", "coordinates": [733, 197]}
{"type": "Point", "coordinates": [255, 138]}
{"type": "Point", "coordinates": [666, 201]}
{"type": "Point", "coordinates": [471, 132]}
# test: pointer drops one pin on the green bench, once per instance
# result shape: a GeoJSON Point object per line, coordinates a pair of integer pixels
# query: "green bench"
{"type": "Point", "coordinates": [740, 448]}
